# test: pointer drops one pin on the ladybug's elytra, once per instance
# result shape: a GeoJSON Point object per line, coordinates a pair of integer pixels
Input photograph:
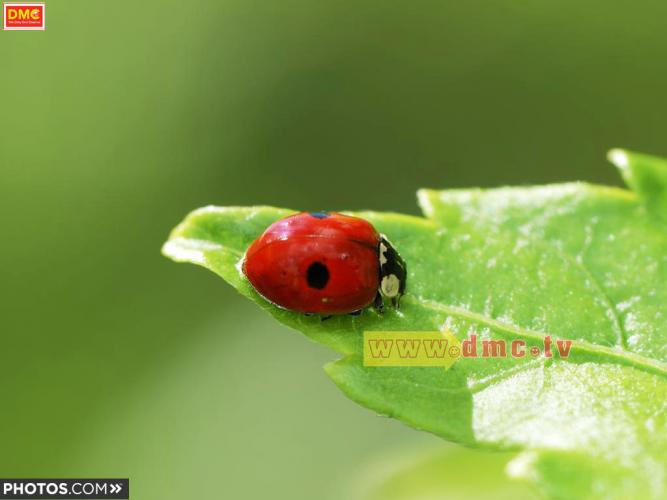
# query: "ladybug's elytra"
{"type": "Point", "coordinates": [325, 263]}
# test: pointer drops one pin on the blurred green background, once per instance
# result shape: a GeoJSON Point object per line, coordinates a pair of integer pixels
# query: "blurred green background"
{"type": "Point", "coordinates": [123, 116]}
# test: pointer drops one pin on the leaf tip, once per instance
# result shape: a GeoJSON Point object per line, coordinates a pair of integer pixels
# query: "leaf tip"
{"type": "Point", "coordinates": [646, 175]}
{"type": "Point", "coordinates": [425, 202]}
{"type": "Point", "coordinates": [184, 250]}
{"type": "Point", "coordinates": [619, 158]}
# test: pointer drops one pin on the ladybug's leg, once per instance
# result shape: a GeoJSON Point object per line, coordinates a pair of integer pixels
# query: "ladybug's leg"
{"type": "Point", "coordinates": [355, 313]}
{"type": "Point", "coordinates": [378, 303]}
{"type": "Point", "coordinates": [324, 318]}
{"type": "Point", "coordinates": [396, 301]}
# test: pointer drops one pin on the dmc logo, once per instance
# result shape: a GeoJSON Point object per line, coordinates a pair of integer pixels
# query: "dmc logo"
{"type": "Point", "coordinates": [23, 16]}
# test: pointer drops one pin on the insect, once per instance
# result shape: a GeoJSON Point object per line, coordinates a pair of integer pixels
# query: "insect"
{"type": "Point", "coordinates": [325, 263]}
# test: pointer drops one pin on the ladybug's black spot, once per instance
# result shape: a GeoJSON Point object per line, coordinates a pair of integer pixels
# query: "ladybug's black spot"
{"type": "Point", "coordinates": [320, 215]}
{"type": "Point", "coordinates": [317, 275]}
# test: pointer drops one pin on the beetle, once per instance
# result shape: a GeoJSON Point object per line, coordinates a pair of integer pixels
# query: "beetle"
{"type": "Point", "coordinates": [325, 263]}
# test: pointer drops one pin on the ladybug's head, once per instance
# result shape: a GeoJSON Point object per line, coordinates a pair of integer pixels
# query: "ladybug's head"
{"type": "Point", "coordinates": [393, 272]}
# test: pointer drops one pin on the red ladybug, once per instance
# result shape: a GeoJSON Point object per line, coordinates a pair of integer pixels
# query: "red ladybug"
{"type": "Point", "coordinates": [325, 263]}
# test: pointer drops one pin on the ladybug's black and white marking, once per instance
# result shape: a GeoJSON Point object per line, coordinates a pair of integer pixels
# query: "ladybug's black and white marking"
{"type": "Point", "coordinates": [393, 273]}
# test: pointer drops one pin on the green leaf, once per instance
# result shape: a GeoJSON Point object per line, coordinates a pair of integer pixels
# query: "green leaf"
{"type": "Point", "coordinates": [645, 175]}
{"type": "Point", "coordinates": [573, 261]}
{"type": "Point", "coordinates": [452, 472]}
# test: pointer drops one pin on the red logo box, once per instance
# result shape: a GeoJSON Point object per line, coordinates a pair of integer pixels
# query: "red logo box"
{"type": "Point", "coordinates": [23, 16]}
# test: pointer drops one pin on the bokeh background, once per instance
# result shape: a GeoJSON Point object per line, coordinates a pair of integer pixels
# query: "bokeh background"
{"type": "Point", "coordinates": [123, 116]}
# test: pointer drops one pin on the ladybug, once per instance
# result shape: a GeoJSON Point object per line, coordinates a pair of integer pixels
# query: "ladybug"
{"type": "Point", "coordinates": [325, 263]}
